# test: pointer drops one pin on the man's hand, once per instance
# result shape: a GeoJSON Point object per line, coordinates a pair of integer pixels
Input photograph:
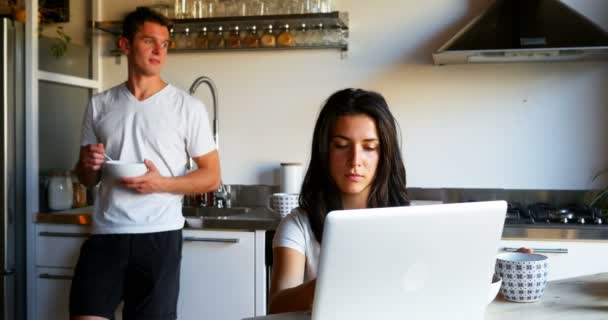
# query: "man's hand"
{"type": "Point", "coordinates": [151, 182]}
{"type": "Point", "coordinates": [91, 157]}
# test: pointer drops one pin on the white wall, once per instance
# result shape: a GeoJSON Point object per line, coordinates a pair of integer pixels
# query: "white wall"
{"type": "Point", "coordinates": [484, 126]}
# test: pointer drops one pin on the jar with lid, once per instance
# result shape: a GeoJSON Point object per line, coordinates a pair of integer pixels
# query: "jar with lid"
{"type": "Point", "coordinates": [60, 191]}
{"type": "Point", "coordinates": [216, 40]}
{"type": "Point", "coordinates": [172, 39]}
{"type": "Point", "coordinates": [202, 40]}
{"type": "Point", "coordinates": [286, 38]}
{"type": "Point", "coordinates": [302, 35]}
{"type": "Point", "coordinates": [252, 39]}
{"type": "Point", "coordinates": [79, 199]}
{"type": "Point", "coordinates": [268, 39]}
{"type": "Point", "coordinates": [317, 35]}
{"type": "Point", "coordinates": [234, 39]}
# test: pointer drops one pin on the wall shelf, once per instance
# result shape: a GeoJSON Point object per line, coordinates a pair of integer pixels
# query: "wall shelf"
{"type": "Point", "coordinates": [332, 22]}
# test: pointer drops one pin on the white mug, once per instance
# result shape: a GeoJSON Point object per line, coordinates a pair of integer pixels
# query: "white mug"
{"type": "Point", "coordinates": [282, 203]}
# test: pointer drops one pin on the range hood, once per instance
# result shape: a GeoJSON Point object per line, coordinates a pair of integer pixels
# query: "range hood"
{"type": "Point", "coordinates": [526, 31]}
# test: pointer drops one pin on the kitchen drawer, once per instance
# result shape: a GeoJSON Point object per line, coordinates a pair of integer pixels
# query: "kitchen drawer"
{"type": "Point", "coordinates": [59, 245]}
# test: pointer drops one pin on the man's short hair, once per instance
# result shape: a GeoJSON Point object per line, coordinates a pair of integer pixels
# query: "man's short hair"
{"type": "Point", "coordinates": [135, 20]}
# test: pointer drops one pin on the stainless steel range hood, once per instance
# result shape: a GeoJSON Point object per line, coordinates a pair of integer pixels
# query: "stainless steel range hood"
{"type": "Point", "coordinates": [526, 31]}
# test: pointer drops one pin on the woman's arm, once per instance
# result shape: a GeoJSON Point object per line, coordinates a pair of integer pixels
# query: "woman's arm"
{"type": "Point", "coordinates": [288, 292]}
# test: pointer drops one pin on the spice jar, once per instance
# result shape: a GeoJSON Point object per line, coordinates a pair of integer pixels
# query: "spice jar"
{"type": "Point", "coordinates": [172, 39]}
{"type": "Point", "coordinates": [268, 39]}
{"type": "Point", "coordinates": [285, 38]}
{"type": "Point", "coordinates": [234, 39]}
{"type": "Point", "coordinates": [302, 36]}
{"type": "Point", "coordinates": [252, 40]}
{"type": "Point", "coordinates": [202, 40]}
{"type": "Point", "coordinates": [216, 41]}
{"type": "Point", "coordinates": [79, 199]}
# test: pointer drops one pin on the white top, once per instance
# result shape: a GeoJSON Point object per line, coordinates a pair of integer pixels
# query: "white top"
{"type": "Point", "coordinates": [165, 128]}
{"type": "Point", "coordinates": [294, 232]}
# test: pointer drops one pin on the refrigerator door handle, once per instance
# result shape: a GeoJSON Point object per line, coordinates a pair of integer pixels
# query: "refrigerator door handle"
{"type": "Point", "coordinates": [9, 272]}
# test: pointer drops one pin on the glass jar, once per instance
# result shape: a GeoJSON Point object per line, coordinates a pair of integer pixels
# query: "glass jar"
{"type": "Point", "coordinates": [234, 39]}
{"type": "Point", "coordinates": [302, 36]}
{"type": "Point", "coordinates": [172, 39]}
{"type": "Point", "coordinates": [188, 39]}
{"type": "Point", "coordinates": [252, 39]}
{"type": "Point", "coordinates": [286, 38]}
{"type": "Point", "coordinates": [202, 40]}
{"type": "Point", "coordinates": [216, 40]}
{"type": "Point", "coordinates": [317, 34]}
{"type": "Point", "coordinates": [60, 191]}
{"type": "Point", "coordinates": [182, 9]}
{"type": "Point", "coordinates": [268, 39]}
{"type": "Point", "coordinates": [79, 199]}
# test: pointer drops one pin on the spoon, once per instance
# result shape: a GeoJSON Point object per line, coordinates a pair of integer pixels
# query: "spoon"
{"type": "Point", "coordinates": [107, 157]}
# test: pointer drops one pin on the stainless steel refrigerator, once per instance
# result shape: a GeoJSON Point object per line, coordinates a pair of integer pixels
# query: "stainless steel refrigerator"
{"type": "Point", "coordinates": [12, 171]}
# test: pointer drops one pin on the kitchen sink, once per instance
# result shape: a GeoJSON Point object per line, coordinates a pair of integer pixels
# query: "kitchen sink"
{"type": "Point", "coordinates": [213, 211]}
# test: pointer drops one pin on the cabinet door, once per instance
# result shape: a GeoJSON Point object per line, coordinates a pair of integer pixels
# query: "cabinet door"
{"type": "Point", "coordinates": [582, 258]}
{"type": "Point", "coordinates": [59, 245]}
{"type": "Point", "coordinates": [53, 294]}
{"type": "Point", "coordinates": [217, 275]}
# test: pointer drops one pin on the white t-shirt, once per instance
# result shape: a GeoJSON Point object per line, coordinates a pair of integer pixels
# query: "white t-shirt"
{"type": "Point", "coordinates": [165, 128]}
{"type": "Point", "coordinates": [294, 232]}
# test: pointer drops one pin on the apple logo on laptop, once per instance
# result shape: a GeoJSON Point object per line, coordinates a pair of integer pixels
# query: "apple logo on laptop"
{"type": "Point", "coordinates": [415, 276]}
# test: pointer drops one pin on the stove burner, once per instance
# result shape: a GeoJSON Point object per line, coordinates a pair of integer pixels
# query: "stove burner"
{"type": "Point", "coordinates": [547, 213]}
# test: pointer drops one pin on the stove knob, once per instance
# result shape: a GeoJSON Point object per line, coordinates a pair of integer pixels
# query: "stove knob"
{"type": "Point", "coordinates": [581, 220]}
{"type": "Point", "coordinates": [565, 220]}
{"type": "Point", "coordinates": [598, 220]}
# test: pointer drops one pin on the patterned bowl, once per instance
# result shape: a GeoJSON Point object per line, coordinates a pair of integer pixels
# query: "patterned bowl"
{"type": "Point", "coordinates": [524, 276]}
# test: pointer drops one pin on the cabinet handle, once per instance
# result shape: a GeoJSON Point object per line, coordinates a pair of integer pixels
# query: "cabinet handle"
{"type": "Point", "coordinates": [539, 250]}
{"type": "Point", "coordinates": [214, 240]}
{"type": "Point", "coordinates": [64, 234]}
{"type": "Point", "coordinates": [55, 277]}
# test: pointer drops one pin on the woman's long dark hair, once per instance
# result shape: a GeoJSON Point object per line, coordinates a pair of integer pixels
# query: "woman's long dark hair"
{"type": "Point", "coordinates": [320, 194]}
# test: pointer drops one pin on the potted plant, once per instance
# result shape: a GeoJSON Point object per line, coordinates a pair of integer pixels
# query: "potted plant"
{"type": "Point", "coordinates": [47, 15]}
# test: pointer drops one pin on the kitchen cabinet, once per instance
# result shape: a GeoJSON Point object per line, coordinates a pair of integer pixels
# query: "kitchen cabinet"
{"type": "Point", "coordinates": [217, 275]}
{"type": "Point", "coordinates": [223, 273]}
{"type": "Point", "coordinates": [57, 250]}
{"type": "Point", "coordinates": [583, 257]}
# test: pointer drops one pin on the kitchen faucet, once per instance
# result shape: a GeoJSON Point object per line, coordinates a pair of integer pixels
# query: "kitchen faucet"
{"type": "Point", "coordinates": [222, 195]}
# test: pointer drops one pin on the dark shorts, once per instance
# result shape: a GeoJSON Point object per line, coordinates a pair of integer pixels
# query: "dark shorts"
{"type": "Point", "coordinates": [141, 269]}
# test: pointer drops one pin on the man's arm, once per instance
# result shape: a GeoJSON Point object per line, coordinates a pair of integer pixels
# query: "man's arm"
{"type": "Point", "coordinates": [88, 168]}
{"type": "Point", "coordinates": [204, 179]}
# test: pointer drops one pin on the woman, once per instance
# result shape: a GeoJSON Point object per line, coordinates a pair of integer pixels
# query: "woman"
{"type": "Point", "coordinates": [355, 163]}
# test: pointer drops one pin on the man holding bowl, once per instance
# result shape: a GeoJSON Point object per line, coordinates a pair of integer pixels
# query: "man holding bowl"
{"type": "Point", "coordinates": [134, 253]}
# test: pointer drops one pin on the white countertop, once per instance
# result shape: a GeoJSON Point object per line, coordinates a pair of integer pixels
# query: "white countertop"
{"type": "Point", "coordinates": [582, 298]}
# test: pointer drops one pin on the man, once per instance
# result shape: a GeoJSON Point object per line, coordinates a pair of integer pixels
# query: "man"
{"type": "Point", "coordinates": [135, 251]}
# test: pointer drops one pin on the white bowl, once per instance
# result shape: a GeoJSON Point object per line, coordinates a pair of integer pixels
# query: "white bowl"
{"type": "Point", "coordinates": [124, 169]}
{"type": "Point", "coordinates": [494, 287]}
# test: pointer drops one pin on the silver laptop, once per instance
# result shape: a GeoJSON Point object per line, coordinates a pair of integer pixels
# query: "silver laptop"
{"type": "Point", "coordinates": [424, 262]}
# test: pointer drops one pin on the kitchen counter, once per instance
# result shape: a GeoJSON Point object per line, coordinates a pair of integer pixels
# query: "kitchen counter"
{"type": "Point", "coordinates": [254, 219]}
{"type": "Point", "coordinates": [260, 218]}
{"type": "Point", "coordinates": [581, 298]}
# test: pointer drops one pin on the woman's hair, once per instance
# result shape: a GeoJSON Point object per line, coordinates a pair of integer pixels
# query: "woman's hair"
{"type": "Point", "coordinates": [136, 19]}
{"type": "Point", "coordinates": [320, 194]}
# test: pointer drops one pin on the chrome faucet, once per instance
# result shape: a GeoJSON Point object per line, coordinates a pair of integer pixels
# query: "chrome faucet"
{"type": "Point", "coordinates": [222, 195]}
{"type": "Point", "coordinates": [213, 89]}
